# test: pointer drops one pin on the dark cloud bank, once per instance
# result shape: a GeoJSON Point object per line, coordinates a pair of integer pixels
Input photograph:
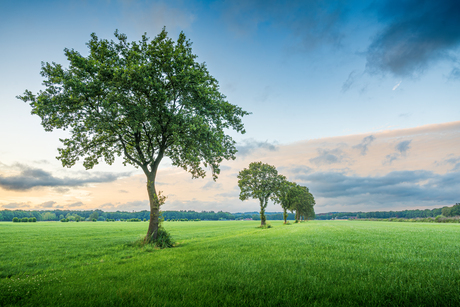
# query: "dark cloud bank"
{"type": "Point", "coordinates": [412, 187]}
{"type": "Point", "coordinates": [30, 178]}
{"type": "Point", "coordinates": [413, 34]}
{"type": "Point", "coordinates": [416, 34]}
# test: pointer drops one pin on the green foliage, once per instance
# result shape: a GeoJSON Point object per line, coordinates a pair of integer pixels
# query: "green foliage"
{"type": "Point", "coordinates": [259, 181]}
{"type": "Point", "coordinates": [141, 100]}
{"type": "Point", "coordinates": [134, 220]}
{"type": "Point", "coordinates": [302, 202]}
{"type": "Point", "coordinates": [31, 220]}
{"type": "Point", "coordinates": [163, 239]}
{"type": "Point", "coordinates": [15, 220]}
{"type": "Point", "coordinates": [24, 220]}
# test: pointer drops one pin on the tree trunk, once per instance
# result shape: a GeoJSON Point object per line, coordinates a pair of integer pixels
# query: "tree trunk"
{"type": "Point", "coordinates": [297, 215]}
{"type": "Point", "coordinates": [284, 215]}
{"type": "Point", "coordinates": [262, 214]}
{"type": "Point", "coordinates": [154, 209]}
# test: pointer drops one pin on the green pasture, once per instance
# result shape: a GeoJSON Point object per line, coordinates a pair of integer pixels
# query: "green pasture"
{"type": "Point", "coordinates": [231, 263]}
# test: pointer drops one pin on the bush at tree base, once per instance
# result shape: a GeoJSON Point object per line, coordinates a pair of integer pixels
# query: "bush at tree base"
{"type": "Point", "coordinates": [163, 240]}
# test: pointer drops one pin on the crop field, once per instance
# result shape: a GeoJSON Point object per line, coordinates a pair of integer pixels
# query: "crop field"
{"type": "Point", "coordinates": [228, 263]}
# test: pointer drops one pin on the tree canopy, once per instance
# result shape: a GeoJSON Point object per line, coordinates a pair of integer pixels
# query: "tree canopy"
{"type": "Point", "coordinates": [141, 100]}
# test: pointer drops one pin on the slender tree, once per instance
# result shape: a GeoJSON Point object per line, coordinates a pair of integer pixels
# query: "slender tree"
{"type": "Point", "coordinates": [284, 196]}
{"type": "Point", "coordinates": [143, 101]}
{"type": "Point", "coordinates": [259, 181]}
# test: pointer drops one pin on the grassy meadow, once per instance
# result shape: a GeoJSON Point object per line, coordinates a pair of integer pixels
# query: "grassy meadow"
{"type": "Point", "coordinates": [228, 263]}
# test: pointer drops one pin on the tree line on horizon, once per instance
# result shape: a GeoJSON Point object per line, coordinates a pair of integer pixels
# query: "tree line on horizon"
{"type": "Point", "coordinates": [99, 215]}
{"type": "Point", "coordinates": [57, 215]}
{"type": "Point", "coordinates": [405, 214]}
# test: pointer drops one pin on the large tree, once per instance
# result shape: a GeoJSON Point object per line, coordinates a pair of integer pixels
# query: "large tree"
{"type": "Point", "coordinates": [259, 181]}
{"type": "Point", "coordinates": [143, 101]}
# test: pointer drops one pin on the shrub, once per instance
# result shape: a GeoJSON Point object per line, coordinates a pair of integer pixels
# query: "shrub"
{"type": "Point", "coordinates": [439, 219]}
{"type": "Point", "coordinates": [94, 220]}
{"type": "Point", "coordinates": [34, 219]}
{"type": "Point", "coordinates": [163, 240]}
{"type": "Point", "coordinates": [31, 220]}
{"type": "Point", "coordinates": [15, 220]}
{"type": "Point", "coordinates": [63, 220]}
{"type": "Point", "coordinates": [25, 219]}
{"type": "Point", "coordinates": [145, 220]}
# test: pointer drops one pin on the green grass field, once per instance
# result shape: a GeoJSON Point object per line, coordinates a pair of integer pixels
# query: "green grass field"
{"type": "Point", "coordinates": [319, 263]}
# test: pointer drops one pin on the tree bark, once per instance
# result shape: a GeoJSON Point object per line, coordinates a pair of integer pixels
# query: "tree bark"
{"type": "Point", "coordinates": [262, 214]}
{"type": "Point", "coordinates": [152, 232]}
{"type": "Point", "coordinates": [284, 215]}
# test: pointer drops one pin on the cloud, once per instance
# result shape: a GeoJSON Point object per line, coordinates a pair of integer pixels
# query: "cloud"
{"type": "Point", "coordinates": [151, 17]}
{"type": "Point", "coordinates": [15, 206]}
{"type": "Point", "coordinates": [248, 146]}
{"type": "Point", "coordinates": [402, 148]}
{"type": "Point", "coordinates": [311, 23]}
{"type": "Point", "coordinates": [137, 205]}
{"type": "Point", "coordinates": [47, 204]}
{"type": "Point", "coordinates": [455, 73]}
{"type": "Point", "coordinates": [397, 85]}
{"type": "Point", "coordinates": [416, 34]}
{"type": "Point", "coordinates": [30, 178]}
{"type": "Point", "coordinates": [123, 191]}
{"type": "Point", "coordinates": [349, 82]}
{"type": "Point", "coordinates": [302, 169]}
{"type": "Point", "coordinates": [77, 204]}
{"type": "Point", "coordinates": [328, 156]}
{"type": "Point", "coordinates": [364, 144]}
{"type": "Point", "coordinates": [452, 160]}
{"type": "Point", "coordinates": [211, 185]}
{"type": "Point", "coordinates": [394, 187]}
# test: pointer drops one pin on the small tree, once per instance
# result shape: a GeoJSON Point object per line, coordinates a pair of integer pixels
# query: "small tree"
{"type": "Point", "coordinates": [144, 101]}
{"type": "Point", "coordinates": [302, 202]}
{"type": "Point", "coordinates": [259, 181]}
{"type": "Point", "coordinates": [15, 220]}
{"type": "Point", "coordinates": [284, 196]}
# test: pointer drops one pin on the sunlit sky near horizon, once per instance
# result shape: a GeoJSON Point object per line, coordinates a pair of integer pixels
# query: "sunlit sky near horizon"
{"type": "Point", "coordinates": [358, 100]}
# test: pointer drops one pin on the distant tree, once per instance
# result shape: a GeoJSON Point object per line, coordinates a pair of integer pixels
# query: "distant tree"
{"type": "Point", "coordinates": [302, 202]}
{"type": "Point", "coordinates": [284, 196]}
{"type": "Point", "coordinates": [34, 219]}
{"type": "Point", "coordinates": [25, 220]}
{"type": "Point", "coordinates": [94, 216]}
{"type": "Point", "coordinates": [143, 101]}
{"type": "Point", "coordinates": [455, 210]}
{"type": "Point", "coordinates": [446, 211]}
{"type": "Point", "coordinates": [15, 220]}
{"type": "Point", "coordinates": [259, 181]}
{"type": "Point", "coordinates": [49, 216]}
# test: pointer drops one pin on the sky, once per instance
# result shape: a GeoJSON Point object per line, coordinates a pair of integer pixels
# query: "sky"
{"type": "Point", "coordinates": [357, 100]}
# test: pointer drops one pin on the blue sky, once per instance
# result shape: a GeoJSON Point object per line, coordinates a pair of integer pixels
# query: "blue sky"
{"type": "Point", "coordinates": [307, 70]}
